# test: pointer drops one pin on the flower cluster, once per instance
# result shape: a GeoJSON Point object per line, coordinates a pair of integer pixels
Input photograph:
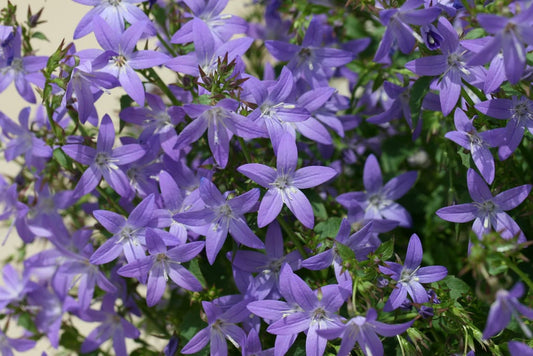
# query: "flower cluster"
{"type": "Point", "coordinates": [279, 130]}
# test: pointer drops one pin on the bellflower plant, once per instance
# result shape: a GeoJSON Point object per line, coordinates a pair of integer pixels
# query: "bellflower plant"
{"type": "Point", "coordinates": [218, 115]}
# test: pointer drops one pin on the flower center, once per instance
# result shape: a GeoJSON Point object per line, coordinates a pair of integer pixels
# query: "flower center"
{"type": "Point", "coordinates": [16, 65]}
{"type": "Point", "coordinates": [282, 182]}
{"type": "Point", "coordinates": [119, 60]}
{"type": "Point", "coordinates": [319, 314]}
{"type": "Point", "coordinates": [114, 2]}
{"type": "Point", "coordinates": [103, 159]}
{"type": "Point", "coordinates": [456, 62]}
{"type": "Point", "coordinates": [225, 211]}
{"type": "Point", "coordinates": [522, 110]}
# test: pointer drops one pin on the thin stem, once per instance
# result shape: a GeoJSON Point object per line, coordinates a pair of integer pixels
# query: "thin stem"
{"type": "Point", "coordinates": [245, 150]}
{"type": "Point", "coordinates": [519, 272]}
{"type": "Point", "coordinates": [152, 75]}
{"type": "Point", "coordinates": [166, 45]}
{"type": "Point", "coordinates": [111, 202]}
{"type": "Point", "coordinates": [292, 235]}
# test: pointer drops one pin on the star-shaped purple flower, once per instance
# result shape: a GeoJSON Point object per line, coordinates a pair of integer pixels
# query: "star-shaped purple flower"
{"type": "Point", "coordinates": [378, 199]}
{"type": "Point", "coordinates": [103, 161]}
{"type": "Point", "coordinates": [504, 308]}
{"type": "Point", "coordinates": [302, 311]}
{"type": "Point", "coordinates": [120, 58]}
{"type": "Point", "coordinates": [364, 330]}
{"type": "Point", "coordinates": [223, 215]}
{"type": "Point", "coordinates": [284, 184]}
{"type": "Point", "coordinates": [488, 211]}
{"type": "Point", "coordinates": [410, 276]}
{"type": "Point", "coordinates": [477, 143]}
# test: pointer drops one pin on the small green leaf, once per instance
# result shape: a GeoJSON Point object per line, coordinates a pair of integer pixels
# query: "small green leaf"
{"type": "Point", "coordinates": [345, 252]}
{"type": "Point", "coordinates": [194, 268]}
{"type": "Point", "coordinates": [385, 250]}
{"type": "Point", "coordinates": [26, 321]}
{"type": "Point", "coordinates": [328, 228]}
{"type": "Point", "coordinates": [417, 94]}
{"type": "Point", "coordinates": [465, 158]}
{"type": "Point", "coordinates": [40, 36]}
{"type": "Point", "coordinates": [475, 33]}
{"type": "Point", "coordinates": [457, 287]}
{"type": "Point", "coordinates": [61, 158]}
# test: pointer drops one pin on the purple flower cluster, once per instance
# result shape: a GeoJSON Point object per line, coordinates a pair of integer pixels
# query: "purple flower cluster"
{"type": "Point", "coordinates": [282, 151]}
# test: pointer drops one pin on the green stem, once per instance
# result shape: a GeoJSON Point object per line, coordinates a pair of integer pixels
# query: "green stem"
{"type": "Point", "coordinates": [519, 272]}
{"type": "Point", "coordinates": [292, 235]}
{"type": "Point", "coordinates": [354, 293]}
{"type": "Point", "coordinates": [167, 46]}
{"type": "Point", "coordinates": [118, 208]}
{"type": "Point", "coordinates": [245, 150]}
{"type": "Point", "coordinates": [153, 76]}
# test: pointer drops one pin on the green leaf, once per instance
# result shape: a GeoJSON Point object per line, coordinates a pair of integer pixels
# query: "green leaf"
{"type": "Point", "coordinates": [40, 36]}
{"type": "Point", "coordinates": [345, 252]}
{"type": "Point", "coordinates": [26, 321]}
{"type": "Point", "coordinates": [457, 287]}
{"type": "Point", "coordinates": [204, 99]}
{"type": "Point", "coordinates": [61, 158]}
{"type": "Point", "coordinates": [465, 158]}
{"type": "Point", "coordinates": [318, 205]}
{"type": "Point", "coordinates": [475, 33]}
{"type": "Point", "coordinates": [385, 250]}
{"type": "Point", "coordinates": [417, 94]}
{"type": "Point", "coordinates": [194, 268]}
{"type": "Point", "coordinates": [328, 228]}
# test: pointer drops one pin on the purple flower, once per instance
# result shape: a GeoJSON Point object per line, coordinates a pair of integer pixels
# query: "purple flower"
{"type": "Point", "coordinates": [221, 326]}
{"type": "Point", "coordinates": [510, 35]}
{"type": "Point", "coordinates": [312, 60]}
{"type": "Point", "coordinates": [398, 30]}
{"type": "Point", "coordinates": [112, 326]}
{"type": "Point", "coordinates": [252, 346]}
{"type": "Point", "coordinates": [504, 308]}
{"type": "Point", "coordinates": [128, 235]}
{"type": "Point", "coordinates": [16, 287]}
{"type": "Point", "coordinates": [364, 330]}
{"type": "Point", "coordinates": [75, 268]}
{"type": "Point", "coordinates": [302, 311]}
{"type": "Point", "coordinates": [104, 161]}
{"type": "Point", "coordinates": [158, 120]}
{"type": "Point", "coordinates": [284, 184]}
{"type": "Point", "coordinates": [223, 215]}
{"type": "Point", "coordinates": [85, 84]}
{"type": "Point", "coordinates": [488, 211]}
{"type": "Point", "coordinates": [221, 122]}
{"type": "Point", "coordinates": [207, 51]}
{"type": "Point", "coordinates": [410, 276]}
{"type": "Point", "coordinates": [378, 200]}
{"type": "Point", "coordinates": [22, 141]}
{"type": "Point", "coordinates": [120, 59]}
{"type": "Point", "coordinates": [114, 12]}
{"type": "Point", "coordinates": [22, 70]}
{"type": "Point", "coordinates": [451, 65]}
{"type": "Point", "coordinates": [162, 265]}
{"type": "Point", "coordinates": [221, 26]}
{"type": "Point", "coordinates": [274, 113]}
{"type": "Point", "coordinates": [20, 345]}
{"type": "Point", "coordinates": [519, 349]}
{"type": "Point", "coordinates": [268, 265]}
{"type": "Point", "coordinates": [519, 111]}
{"type": "Point", "coordinates": [477, 143]}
